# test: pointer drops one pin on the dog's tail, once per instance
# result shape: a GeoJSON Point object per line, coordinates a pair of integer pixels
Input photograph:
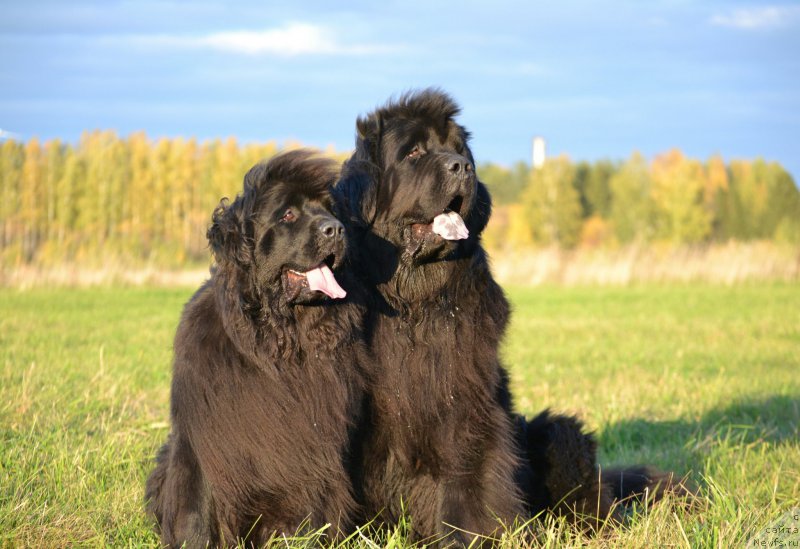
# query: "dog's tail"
{"type": "Point", "coordinates": [560, 474]}
{"type": "Point", "coordinates": [644, 484]}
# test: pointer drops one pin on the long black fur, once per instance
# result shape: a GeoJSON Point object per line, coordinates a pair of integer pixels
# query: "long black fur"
{"type": "Point", "coordinates": [560, 475]}
{"type": "Point", "coordinates": [442, 443]}
{"type": "Point", "coordinates": [266, 388]}
{"type": "Point", "coordinates": [441, 446]}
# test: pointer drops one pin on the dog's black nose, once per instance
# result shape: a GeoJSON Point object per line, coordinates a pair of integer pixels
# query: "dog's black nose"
{"type": "Point", "coordinates": [458, 166]}
{"type": "Point", "coordinates": [331, 228]}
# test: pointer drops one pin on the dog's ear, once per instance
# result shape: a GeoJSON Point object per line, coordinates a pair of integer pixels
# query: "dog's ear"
{"type": "Point", "coordinates": [481, 212]}
{"type": "Point", "coordinates": [370, 130]}
{"type": "Point", "coordinates": [357, 188]}
{"type": "Point", "coordinates": [227, 235]}
{"type": "Point", "coordinates": [355, 196]}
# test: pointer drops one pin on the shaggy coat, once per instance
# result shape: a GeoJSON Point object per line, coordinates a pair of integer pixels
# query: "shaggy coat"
{"type": "Point", "coordinates": [560, 472]}
{"type": "Point", "coordinates": [440, 445]}
{"type": "Point", "coordinates": [560, 475]}
{"type": "Point", "coordinates": [266, 387]}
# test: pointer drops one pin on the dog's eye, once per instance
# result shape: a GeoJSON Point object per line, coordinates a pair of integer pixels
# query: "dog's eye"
{"type": "Point", "coordinates": [416, 152]}
{"type": "Point", "coordinates": [289, 217]}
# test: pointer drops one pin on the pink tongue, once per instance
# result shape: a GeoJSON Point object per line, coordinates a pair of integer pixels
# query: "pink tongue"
{"type": "Point", "coordinates": [450, 226]}
{"type": "Point", "coordinates": [321, 279]}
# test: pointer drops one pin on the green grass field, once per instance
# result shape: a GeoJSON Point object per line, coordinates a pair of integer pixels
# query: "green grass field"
{"type": "Point", "coordinates": [703, 380]}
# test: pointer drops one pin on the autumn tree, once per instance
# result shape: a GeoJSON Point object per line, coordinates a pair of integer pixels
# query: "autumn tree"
{"type": "Point", "coordinates": [69, 186]}
{"type": "Point", "coordinates": [12, 158]}
{"type": "Point", "coordinates": [678, 192]}
{"type": "Point", "coordinates": [761, 198]}
{"type": "Point", "coordinates": [716, 184]}
{"type": "Point", "coordinates": [551, 204]}
{"type": "Point", "coordinates": [632, 205]}
{"type": "Point", "coordinates": [33, 205]}
{"type": "Point", "coordinates": [598, 188]}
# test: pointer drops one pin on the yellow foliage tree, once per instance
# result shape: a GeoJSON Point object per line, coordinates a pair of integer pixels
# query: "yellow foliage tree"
{"type": "Point", "coordinates": [679, 193]}
{"type": "Point", "coordinates": [551, 204]}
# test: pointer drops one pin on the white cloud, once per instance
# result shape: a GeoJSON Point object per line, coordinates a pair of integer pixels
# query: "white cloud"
{"type": "Point", "coordinates": [757, 18]}
{"type": "Point", "coordinates": [293, 39]}
{"type": "Point", "coordinates": [4, 134]}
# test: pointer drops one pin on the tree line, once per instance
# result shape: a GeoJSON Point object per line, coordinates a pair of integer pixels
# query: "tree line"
{"type": "Point", "coordinates": [671, 199]}
{"type": "Point", "coordinates": [134, 200]}
{"type": "Point", "coordinates": [129, 200]}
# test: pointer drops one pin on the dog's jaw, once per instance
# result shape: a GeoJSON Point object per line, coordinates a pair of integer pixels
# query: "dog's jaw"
{"type": "Point", "coordinates": [311, 285]}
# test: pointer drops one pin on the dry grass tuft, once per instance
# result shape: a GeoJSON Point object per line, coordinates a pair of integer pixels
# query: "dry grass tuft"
{"type": "Point", "coordinates": [730, 263]}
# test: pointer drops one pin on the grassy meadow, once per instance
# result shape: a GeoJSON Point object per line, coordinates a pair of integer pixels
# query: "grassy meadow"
{"type": "Point", "coordinates": [700, 379]}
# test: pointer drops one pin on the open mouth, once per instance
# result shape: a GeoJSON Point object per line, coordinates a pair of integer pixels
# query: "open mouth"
{"type": "Point", "coordinates": [455, 204]}
{"type": "Point", "coordinates": [318, 279]}
{"type": "Point", "coordinates": [330, 261]}
{"type": "Point", "coordinates": [448, 225]}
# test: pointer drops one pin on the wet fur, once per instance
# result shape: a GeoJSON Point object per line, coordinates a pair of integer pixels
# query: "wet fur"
{"type": "Point", "coordinates": [266, 393]}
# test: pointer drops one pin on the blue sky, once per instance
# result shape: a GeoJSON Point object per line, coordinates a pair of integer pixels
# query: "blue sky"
{"type": "Point", "coordinates": [596, 79]}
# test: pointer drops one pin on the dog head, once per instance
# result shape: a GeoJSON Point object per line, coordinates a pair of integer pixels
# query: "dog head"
{"type": "Point", "coordinates": [279, 237]}
{"type": "Point", "coordinates": [418, 188]}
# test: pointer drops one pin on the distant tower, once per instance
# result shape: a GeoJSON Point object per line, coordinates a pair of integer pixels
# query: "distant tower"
{"type": "Point", "coordinates": [539, 154]}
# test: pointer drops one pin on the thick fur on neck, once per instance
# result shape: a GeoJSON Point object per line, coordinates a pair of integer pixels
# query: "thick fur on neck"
{"type": "Point", "coordinates": [262, 325]}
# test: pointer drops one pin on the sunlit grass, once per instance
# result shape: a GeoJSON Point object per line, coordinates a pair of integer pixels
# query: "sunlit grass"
{"type": "Point", "coordinates": [697, 379]}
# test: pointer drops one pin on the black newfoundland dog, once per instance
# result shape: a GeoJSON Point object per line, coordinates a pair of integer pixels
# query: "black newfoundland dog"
{"type": "Point", "coordinates": [441, 448]}
{"type": "Point", "coordinates": [266, 386]}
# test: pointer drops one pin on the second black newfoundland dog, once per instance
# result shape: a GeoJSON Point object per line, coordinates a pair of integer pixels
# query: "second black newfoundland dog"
{"type": "Point", "coordinates": [441, 448]}
{"type": "Point", "coordinates": [266, 386]}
